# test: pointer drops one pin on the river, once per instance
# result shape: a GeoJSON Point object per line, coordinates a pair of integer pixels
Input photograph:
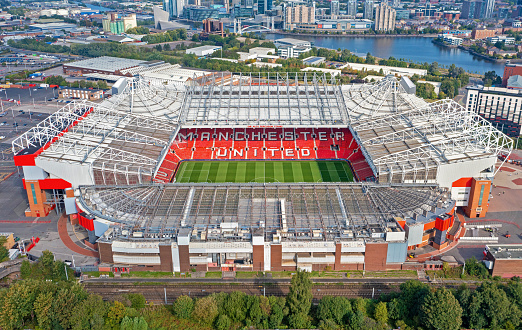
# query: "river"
{"type": "Point", "coordinates": [415, 49]}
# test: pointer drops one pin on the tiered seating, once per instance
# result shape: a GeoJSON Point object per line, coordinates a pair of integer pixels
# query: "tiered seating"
{"type": "Point", "coordinates": [167, 169]}
{"type": "Point", "coordinates": [360, 166]}
{"type": "Point", "coordinates": [264, 143]}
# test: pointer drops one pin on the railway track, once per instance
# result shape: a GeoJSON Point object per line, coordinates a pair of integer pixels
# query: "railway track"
{"type": "Point", "coordinates": [160, 293]}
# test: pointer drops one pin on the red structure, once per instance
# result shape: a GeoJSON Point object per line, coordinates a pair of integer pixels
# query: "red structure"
{"type": "Point", "coordinates": [274, 143]}
{"type": "Point", "coordinates": [511, 69]}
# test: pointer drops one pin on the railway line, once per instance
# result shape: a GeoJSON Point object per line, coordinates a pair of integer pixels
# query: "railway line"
{"type": "Point", "coordinates": [158, 294]}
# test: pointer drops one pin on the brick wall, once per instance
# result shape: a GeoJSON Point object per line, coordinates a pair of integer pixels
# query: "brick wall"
{"type": "Point", "coordinates": [276, 256]}
{"type": "Point", "coordinates": [105, 250]}
{"type": "Point", "coordinates": [375, 256]}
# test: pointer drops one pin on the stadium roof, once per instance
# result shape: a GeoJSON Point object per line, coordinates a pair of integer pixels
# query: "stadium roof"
{"type": "Point", "coordinates": [300, 211]}
{"type": "Point", "coordinates": [386, 97]}
{"type": "Point", "coordinates": [419, 140]}
{"type": "Point", "coordinates": [126, 144]}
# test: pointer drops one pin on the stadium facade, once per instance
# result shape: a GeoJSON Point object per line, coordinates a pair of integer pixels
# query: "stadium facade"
{"type": "Point", "coordinates": [112, 166]}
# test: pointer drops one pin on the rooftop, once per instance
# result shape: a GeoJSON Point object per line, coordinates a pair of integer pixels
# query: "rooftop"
{"type": "Point", "coordinates": [106, 63]}
{"type": "Point", "coordinates": [505, 251]}
{"type": "Point", "coordinates": [299, 211]}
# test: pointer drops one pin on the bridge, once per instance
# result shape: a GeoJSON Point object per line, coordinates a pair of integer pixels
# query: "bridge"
{"type": "Point", "coordinates": [239, 29]}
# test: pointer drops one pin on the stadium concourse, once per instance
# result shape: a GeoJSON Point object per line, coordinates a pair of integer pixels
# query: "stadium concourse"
{"type": "Point", "coordinates": [262, 172]}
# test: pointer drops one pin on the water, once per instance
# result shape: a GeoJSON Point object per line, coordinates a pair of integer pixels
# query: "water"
{"type": "Point", "coordinates": [101, 9]}
{"type": "Point", "coordinates": [415, 49]}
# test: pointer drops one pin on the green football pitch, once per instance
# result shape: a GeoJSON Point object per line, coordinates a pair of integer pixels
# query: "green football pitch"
{"type": "Point", "coordinates": [264, 171]}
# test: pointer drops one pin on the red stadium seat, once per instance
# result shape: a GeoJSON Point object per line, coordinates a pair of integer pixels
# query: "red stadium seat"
{"type": "Point", "coordinates": [263, 143]}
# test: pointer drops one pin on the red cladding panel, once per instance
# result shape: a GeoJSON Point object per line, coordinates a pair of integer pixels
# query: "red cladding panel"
{"type": "Point", "coordinates": [442, 224]}
{"type": "Point", "coordinates": [86, 223]}
{"type": "Point", "coordinates": [25, 160]}
{"type": "Point", "coordinates": [54, 184]}
{"type": "Point", "coordinates": [429, 225]}
{"type": "Point", "coordinates": [463, 182]}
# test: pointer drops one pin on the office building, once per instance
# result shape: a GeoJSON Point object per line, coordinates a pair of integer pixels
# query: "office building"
{"type": "Point", "coordinates": [488, 6]}
{"type": "Point", "coordinates": [334, 8]}
{"type": "Point", "coordinates": [173, 7]}
{"type": "Point", "coordinates": [384, 18]}
{"type": "Point", "coordinates": [368, 9]}
{"type": "Point", "coordinates": [263, 6]}
{"type": "Point", "coordinates": [471, 9]}
{"type": "Point", "coordinates": [500, 106]}
{"type": "Point", "coordinates": [351, 9]}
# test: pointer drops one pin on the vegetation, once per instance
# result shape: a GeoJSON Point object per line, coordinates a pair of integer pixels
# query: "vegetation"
{"type": "Point", "coordinates": [172, 35]}
{"type": "Point", "coordinates": [46, 299]}
{"type": "Point", "coordinates": [4, 252]}
{"type": "Point", "coordinates": [138, 30]}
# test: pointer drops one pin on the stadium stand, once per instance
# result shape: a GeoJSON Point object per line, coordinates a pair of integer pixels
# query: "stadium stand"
{"type": "Point", "coordinates": [262, 143]}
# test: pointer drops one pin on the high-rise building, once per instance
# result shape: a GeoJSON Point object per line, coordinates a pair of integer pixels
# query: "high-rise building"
{"type": "Point", "coordinates": [471, 9]}
{"type": "Point", "coordinates": [384, 18]}
{"type": "Point", "coordinates": [173, 7]}
{"type": "Point", "coordinates": [117, 25]}
{"type": "Point", "coordinates": [351, 9]}
{"type": "Point", "coordinates": [263, 6]}
{"type": "Point", "coordinates": [368, 9]}
{"type": "Point", "coordinates": [488, 6]}
{"type": "Point", "coordinates": [334, 7]}
{"type": "Point", "coordinates": [396, 3]}
{"type": "Point", "coordinates": [300, 14]}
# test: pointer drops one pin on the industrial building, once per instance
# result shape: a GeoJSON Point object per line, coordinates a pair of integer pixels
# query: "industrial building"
{"type": "Point", "coordinates": [203, 51]}
{"type": "Point", "coordinates": [104, 65]}
{"type": "Point", "coordinates": [112, 167]}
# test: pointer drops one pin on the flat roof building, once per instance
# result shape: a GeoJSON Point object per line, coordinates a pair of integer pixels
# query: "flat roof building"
{"type": "Point", "coordinates": [504, 260]}
{"type": "Point", "coordinates": [104, 64]}
{"type": "Point", "coordinates": [203, 50]}
{"type": "Point", "coordinates": [291, 42]}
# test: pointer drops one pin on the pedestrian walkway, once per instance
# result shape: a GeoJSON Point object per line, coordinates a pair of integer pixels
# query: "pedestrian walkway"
{"type": "Point", "coordinates": [66, 239]}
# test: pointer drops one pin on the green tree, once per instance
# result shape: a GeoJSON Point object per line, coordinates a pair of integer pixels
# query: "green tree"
{"type": "Point", "coordinates": [115, 314]}
{"type": "Point", "coordinates": [333, 308]}
{"type": "Point", "coordinates": [43, 310]}
{"type": "Point", "coordinates": [441, 311]}
{"type": "Point", "coordinates": [134, 323]}
{"type": "Point", "coordinates": [205, 310]}
{"type": "Point", "coordinates": [137, 300]}
{"type": "Point", "coordinates": [299, 299]}
{"type": "Point", "coordinates": [278, 311]}
{"type": "Point", "coordinates": [183, 307]}
{"type": "Point", "coordinates": [380, 313]}
{"type": "Point", "coordinates": [223, 322]}
{"type": "Point", "coordinates": [4, 252]}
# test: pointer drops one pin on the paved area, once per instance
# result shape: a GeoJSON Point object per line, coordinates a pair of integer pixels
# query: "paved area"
{"type": "Point", "coordinates": [65, 236]}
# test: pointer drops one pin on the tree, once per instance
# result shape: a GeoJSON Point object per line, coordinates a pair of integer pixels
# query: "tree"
{"type": "Point", "coordinates": [278, 311]}
{"type": "Point", "coordinates": [135, 323]}
{"type": "Point", "coordinates": [4, 252]}
{"type": "Point", "coordinates": [380, 313]}
{"type": "Point", "coordinates": [137, 300]}
{"type": "Point", "coordinates": [166, 47]}
{"type": "Point", "coordinates": [43, 310]}
{"type": "Point", "coordinates": [441, 311]}
{"type": "Point", "coordinates": [299, 299]}
{"type": "Point", "coordinates": [205, 310]}
{"type": "Point", "coordinates": [183, 307]}
{"type": "Point", "coordinates": [333, 308]}
{"type": "Point", "coordinates": [116, 314]}
{"type": "Point", "coordinates": [223, 322]}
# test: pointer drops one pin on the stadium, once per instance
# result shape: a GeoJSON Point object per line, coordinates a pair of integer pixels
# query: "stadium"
{"type": "Point", "coordinates": [261, 172]}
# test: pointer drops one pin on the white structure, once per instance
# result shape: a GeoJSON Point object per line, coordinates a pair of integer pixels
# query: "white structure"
{"type": "Point", "coordinates": [291, 42]}
{"type": "Point", "coordinates": [203, 51]}
{"type": "Point", "coordinates": [504, 39]}
{"type": "Point", "coordinates": [387, 69]}
{"type": "Point", "coordinates": [331, 72]}
{"type": "Point", "coordinates": [450, 39]}
{"type": "Point", "coordinates": [262, 51]}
